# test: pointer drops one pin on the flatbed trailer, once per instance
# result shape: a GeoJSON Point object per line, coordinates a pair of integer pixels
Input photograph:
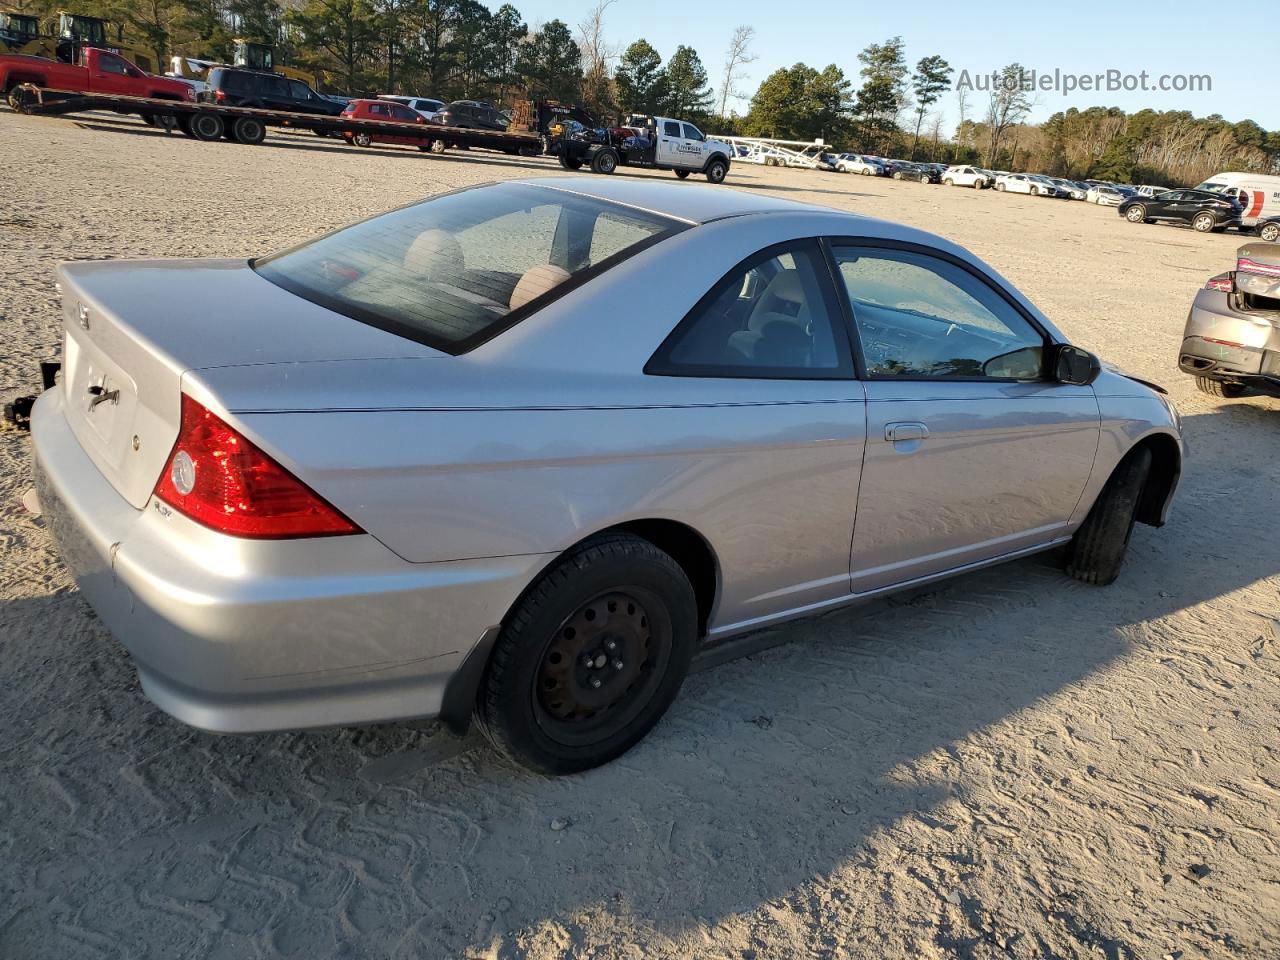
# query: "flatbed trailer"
{"type": "Point", "coordinates": [211, 121]}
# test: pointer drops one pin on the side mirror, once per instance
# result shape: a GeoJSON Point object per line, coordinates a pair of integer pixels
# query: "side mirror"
{"type": "Point", "coordinates": [1068, 364]}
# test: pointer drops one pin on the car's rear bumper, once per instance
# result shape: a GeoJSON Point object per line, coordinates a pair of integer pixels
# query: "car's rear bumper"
{"type": "Point", "coordinates": [244, 636]}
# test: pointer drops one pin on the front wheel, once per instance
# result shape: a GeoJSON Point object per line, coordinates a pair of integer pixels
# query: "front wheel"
{"type": "Point", "coordinates": [1203, 223]}
{"type": "Point", "coordinates": [682, 174]}
{"type": "Point", "coordinates": [590, 658]}
{"type": "Point", "coordinates": [1269, 232]}
{"type": "Point", "coordinates": [1097, 551]}
{"type": "Point", "coordinates": [717, 170]}
{"type": "Point", "coordinates": [948, 182]}
{"type": "Point", "coordinates": [1219, 388]}
{"type": "Point", "coordinates": [1136, 214]}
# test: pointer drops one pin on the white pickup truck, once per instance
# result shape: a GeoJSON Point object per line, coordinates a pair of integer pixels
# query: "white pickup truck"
{"type": "Point", "coordinates": [659, 143]}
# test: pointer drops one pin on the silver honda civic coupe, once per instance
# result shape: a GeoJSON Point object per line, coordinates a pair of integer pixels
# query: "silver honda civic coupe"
{"type": "Point", "coordinates": [520, 451]}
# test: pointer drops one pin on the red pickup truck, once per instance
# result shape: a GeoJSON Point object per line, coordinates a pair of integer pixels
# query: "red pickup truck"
{"type": "Point", "coordinates": [95, 71]}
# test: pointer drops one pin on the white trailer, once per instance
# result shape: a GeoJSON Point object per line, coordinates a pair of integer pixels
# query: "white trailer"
{"type": "Point", "coordinates": [810, 154]}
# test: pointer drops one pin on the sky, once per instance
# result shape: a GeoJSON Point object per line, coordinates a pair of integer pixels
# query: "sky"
{"type": "Point", "coordinates": [1086, 39]}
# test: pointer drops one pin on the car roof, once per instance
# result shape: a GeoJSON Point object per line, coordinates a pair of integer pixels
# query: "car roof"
{"type": "Point", "coordinates": [682, 201]}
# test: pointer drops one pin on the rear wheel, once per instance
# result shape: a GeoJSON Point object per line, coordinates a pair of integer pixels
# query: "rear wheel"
{"type": "Point", "coordinates": [1270, 232]}
{"type": "Point", "coordinates": [438, 146]}
{"type": "Point", "coordinates": [1203, 223]}
{"type": "Point", "coordinates": [206, 126]}
{"type": "Point", "coordinates": [1136, 214]}
{"type": "Point", "coordinates": [590, 658]}
{"type": "Point", "coordinates": [1097, 551]}
{"type": "Point", "coordinates": [717, 170]}
{"type": "Point", "coordinates": [362, 139]}
{"type": "Point", "coordinates": [1220, 388]}
{"type": "Point", "coordinates": [604, 161]}
{"type": "Point", "coordinates": [248, 130]}
{"type": "Point", "coordinates": [571, 163]}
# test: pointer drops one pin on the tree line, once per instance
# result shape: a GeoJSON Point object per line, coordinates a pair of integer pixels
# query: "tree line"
{"type": "Point", "coordinates": [452, 49]}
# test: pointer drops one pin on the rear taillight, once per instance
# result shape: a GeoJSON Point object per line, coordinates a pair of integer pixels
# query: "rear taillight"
{"type": "Point", "coordinates": [219, 96]}
{"type": "Point", "coordinates": [1222, 284]}
{"type": "Point", "coordinates": [218, 478]}
{"type": "Point", "coordinates": [1253, 266]}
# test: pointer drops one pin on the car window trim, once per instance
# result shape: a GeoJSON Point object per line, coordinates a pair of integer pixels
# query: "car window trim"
{"type": "Point", "coordinates": [660, 364]}
{"type": "Point", "coordinates": [907, 246]}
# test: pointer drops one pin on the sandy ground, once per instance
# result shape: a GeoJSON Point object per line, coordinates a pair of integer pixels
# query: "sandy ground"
{"type": "Point", "coordinates": [1011, 765]}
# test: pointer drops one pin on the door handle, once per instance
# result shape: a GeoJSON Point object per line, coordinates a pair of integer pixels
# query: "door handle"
{"type": "Point", "coordinates": [905, 431]}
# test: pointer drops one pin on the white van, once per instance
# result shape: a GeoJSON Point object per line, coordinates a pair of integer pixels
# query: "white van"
{"type": "Point", "coordinates": [1258, 193]}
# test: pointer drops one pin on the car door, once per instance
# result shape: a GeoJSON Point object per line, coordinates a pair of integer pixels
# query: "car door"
{"type": "Point", "coordinates": [670, 140]}
{"type": "Point", "coordinates": [760, 379]}
{"type": "Point", "coordinates": [111, 74]}
{"type": "Point", "coordinates": [694, 149]}
{"type": "Point", "coordinates": [404, 115]}
{"type": "Point", "coordinates": [972, 453]}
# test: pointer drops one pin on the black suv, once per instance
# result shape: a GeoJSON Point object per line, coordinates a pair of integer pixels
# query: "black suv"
{"type": "Point", "coordinates": [473, 115]}
{"type": "Point", "coordinates": [1201, 210]}
{"type": "Point", "coordinates": [236, 87]}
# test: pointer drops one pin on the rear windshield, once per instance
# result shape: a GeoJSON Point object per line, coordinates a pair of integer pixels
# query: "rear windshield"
{"type": "Point", "coordinates": [458, 269]}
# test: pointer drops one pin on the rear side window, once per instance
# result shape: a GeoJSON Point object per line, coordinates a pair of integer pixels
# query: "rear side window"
{"type": "Point", "coordinates": [273, 86]}
{"type": "Point", "coordinates": [771, 317]}
{"type": "Point", "coordinates": [671, 129]}
{"type": "Point", "coordinates": [456, 270]}
{"type": "Point", "coordinates": [378, 110]}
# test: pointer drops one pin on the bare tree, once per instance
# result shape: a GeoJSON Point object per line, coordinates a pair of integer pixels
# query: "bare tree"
{"type": "Point", "coordinates": [1008, 107]}
{"type": "Point", "coordinates": [962, 105]}
{"type": "Point", "coordinates": [597, 55]}
{"type": "Point", "coordinates": [738, 56]}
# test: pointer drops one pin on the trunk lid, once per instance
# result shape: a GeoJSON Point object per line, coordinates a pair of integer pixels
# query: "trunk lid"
{"type": "Point", "coordinates": [134, 328]}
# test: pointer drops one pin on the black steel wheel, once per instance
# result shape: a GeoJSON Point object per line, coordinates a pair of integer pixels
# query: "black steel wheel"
{"type": "Point", "coordinates": [248, 130]}
{"type": "Point", "coordinates": [682, 174]}
{"type": "Point", "coordinates": [591, 656]}
{"type": "Point", "coordinates": [571, 163]}
{"type": "Point", "coordinates": [206, 126]}
{"type": "Point", "coordinates": [717, 170]}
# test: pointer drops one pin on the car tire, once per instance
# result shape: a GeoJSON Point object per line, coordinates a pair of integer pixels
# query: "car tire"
{"type": "Point", "coordinates": [1000, 187]}
{"type": "Point", "coordinates": [248, 130]}
{"type": "Point", "coordinates": [184, 124]}
{"type": "Point", "coordinates": [717, 170]}
{"type": "Point", "coordinates": [948, 182]}
{"type": "Point", "coordinates": [1219, 388]}
{"type": "Point", "coordinates": [682, 174]}
{"type": "Point", "coordinates": [362, 139]}
{"type": "Point", "coordinates": [866, 172]}
{"type": "Point", "coordinates": [1136, 214]}
{"type": "Point", "coordinates": [604, 161]}
{"type": "Point", "coordinates": [1203, 222]}
{"type": "Point", "coordinates": [1096, 552]}
{"type": "Point", "coordinates": [570, 164]}
{"type": "Point", "coordinates": [1270, 232]}
{"type": "Point", "coordinates": [320, 132]}
{"type": "Point", "coordinates": [207, 126]}
{"type": "Point", "coordinates": [438, 146]}
{"type": "Point", "coordinates": [541, 702]}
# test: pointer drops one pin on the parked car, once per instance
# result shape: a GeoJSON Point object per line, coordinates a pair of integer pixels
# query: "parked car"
{"type": "Point", "coordinates": [1269, 229]}
{"type": "Point", "coordinates": [1231, 342]}
{"type": "Point", "coordinates": [860, 164]}
{"type": "Point", "coordinates": [405, 469]}
{"type": "Point", "coordinates": [1149, 190]}
{"type": "Point", "coordinates": [1258, 194]}
{"type": "Point", "coordinates": [1106, 195]}
{"type": "Point", "coordinates": [906, 170]}
{"type": "Point", "coordinates": [1014, 183]}
{"type": "Point", "coordinates": [1070, 188]}
{"type": "Point", "coordinates": [426, 106]}
{"type": "Point", "coordinates": [238, 87]}
{"type": "Point", "coordinates": [964, 175]}
{"type": "Point", "coordinates": [473, 115]}
{"type": "Point", "coordinates": [385, 112]}
{"type": "Point", "coordinates": [94, 71]}
{"type": "Point", "coordinates": [1199, 209]}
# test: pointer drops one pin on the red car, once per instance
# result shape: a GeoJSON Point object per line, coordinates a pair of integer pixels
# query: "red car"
{"type": "Point", "coordinates": [387, 112]}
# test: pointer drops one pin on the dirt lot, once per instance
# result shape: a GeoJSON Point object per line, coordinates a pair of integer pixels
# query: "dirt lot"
{"type": "Point", "coordinates": [1011, 765]}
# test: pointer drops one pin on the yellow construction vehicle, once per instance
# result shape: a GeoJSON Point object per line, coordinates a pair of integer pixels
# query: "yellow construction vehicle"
{"type": "Point", "coordinates": [17, 30]}
{"type": "Point", "coordinates": [77, 30]}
